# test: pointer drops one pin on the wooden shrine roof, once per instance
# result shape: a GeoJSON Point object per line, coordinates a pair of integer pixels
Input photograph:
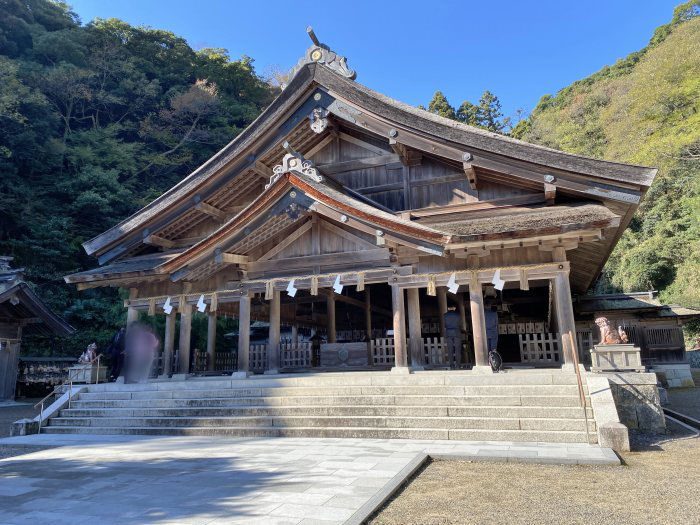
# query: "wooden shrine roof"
{"type": "Point", "coordinates": [240, 154]}
{"type": "Point", "coordinates": [19, 303]}
{"type": "Point", "coordinates": [526, 221]}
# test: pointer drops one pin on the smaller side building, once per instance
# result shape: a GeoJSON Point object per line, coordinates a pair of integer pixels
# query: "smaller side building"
{"type": "Point", "coordinates": [656, 328]}
{"type": "Point", "coordinates": [21, 312]}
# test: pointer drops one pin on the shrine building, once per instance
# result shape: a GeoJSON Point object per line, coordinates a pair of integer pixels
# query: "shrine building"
{"type": "Point", "coordinates": [344, 218]}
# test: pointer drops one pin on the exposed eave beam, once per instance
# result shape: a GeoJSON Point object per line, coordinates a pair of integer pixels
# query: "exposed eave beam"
{"type": "Point", "coordinates": [162, 242]}
{"type": "Point", "coordinates": [210, 210]}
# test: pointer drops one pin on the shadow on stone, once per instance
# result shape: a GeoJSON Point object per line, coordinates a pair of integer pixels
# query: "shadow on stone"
{"type": "Point", "coordinates": [131, 491]}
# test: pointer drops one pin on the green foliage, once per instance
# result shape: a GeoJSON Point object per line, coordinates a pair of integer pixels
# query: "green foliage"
{"type": "Point", "coordinates": [486, 115]}
{"type": "Point", "coordinates": [643, 110]}
{"type": "Point", "coordinates": [95, 121]}
{"type": "Point", "coordinates": [440, 106]}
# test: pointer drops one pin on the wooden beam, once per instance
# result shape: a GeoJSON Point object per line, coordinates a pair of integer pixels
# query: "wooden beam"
{"type": "Point", "coordinates": [362, 143]}
{"type": "Point", "coordinates": [162, 242]}
{"type": "Point", "coordinates": [355, 302]}
{"type": "Point", "coordinates": [358, 164]}
{"type": "Point", "coordinates": [286, 242]}
{"type": "Point", "coordinates": [508, 202]}
{"type": "Point", "coordinates": [231, 258]}
{"type": "Point", "coordinates": [318, 147]}
{"type": "Point", "coordinates": [550, 192]}
{"type": "Point", "coordinates": [470, 172]}
{"type": "Point", "coordinates": [346, 235]}
{"type": "Point", "coordinates": [262, 169]}
{"type": "Point", "coordinates": [407, 155]}
{"type": "Point", "coordinates": [329, 259]}
{"type": "Point", "coordinates": [538, 240]}
{"type": "Point", "coordinates": [211, 211]}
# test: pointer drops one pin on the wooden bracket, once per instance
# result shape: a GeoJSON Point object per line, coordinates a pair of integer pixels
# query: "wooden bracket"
{"type": "Point", "coordinates": [162, 242]}
{"type": "Point", "coordinates": [210, 210]}
{"type": "Point", "coordinates": [470, 172]}
{"type": "Point", "coordinates": [407, 155]}
{"type": "Point", "coordinates": [550, 193]}
{"type": "Point", "coordinates": [230, 258]}
{"type": "Point", "coordinates": [263, 170]}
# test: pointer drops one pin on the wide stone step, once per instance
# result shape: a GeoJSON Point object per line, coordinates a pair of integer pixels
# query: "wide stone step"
{"type": "Point", "coordinates": [332, 380]}
{"type": "Point", "coordinates": [565, 436]}
{"type": "Point", "coordinates": [354, 410]}
{"type": "Point", "coordinates": [329, 421]}
{"type": "Point", "coordinates": [398, 390]}
{"type": "Point", "coordinates": [405, 400]}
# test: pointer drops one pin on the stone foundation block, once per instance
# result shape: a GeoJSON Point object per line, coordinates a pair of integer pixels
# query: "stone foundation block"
{"type": "Point", "coordinates": [614, 436]}
{"type": "Point", "coordinates": [24, 427]}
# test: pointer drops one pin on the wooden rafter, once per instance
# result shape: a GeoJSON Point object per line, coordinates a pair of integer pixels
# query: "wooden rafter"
{"type": "Point", "coordinates": [358, 164]}
{"type": "Point", "coordinates": [262, 169]}
{"type": "Point", "coordinates": [210, 210]}
{"type": "Point", "coordinates": [162, 242]}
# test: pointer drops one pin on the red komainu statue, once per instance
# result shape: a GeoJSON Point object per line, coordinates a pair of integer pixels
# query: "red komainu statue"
{"type": "Point", "coordinates": [608, 334]}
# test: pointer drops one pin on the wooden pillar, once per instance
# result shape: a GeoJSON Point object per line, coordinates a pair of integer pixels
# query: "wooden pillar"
{"type": "Point", "coordinates": [211, 340]}
{"type": "Point", "coordinates": [368, 314]}
{"type": "Point", "coordinates": [400, 357]}
{"type": "Point", "coordinates": [273, 346]}
{"type": "Point", "coordinates": [462, 309]}
{"type": "Point", "coordinates": [564, 309]}
{"type": "Point", "coordinates": [476, 307]}
{"type": "Point", "coordinates": [132, 315]}
{"type": "Point", "coordinates": [442, 307]}
{"type": "Point", "coordinates": [185, 336]}
{"type": "Point", "coordinates": [244, 334]}
{"type": "Point", "coordinates": [169, 344]}
{"type": "Point", "coordinates": [330, 313]}
{"type": "Point", "coordinates": [414, 328]}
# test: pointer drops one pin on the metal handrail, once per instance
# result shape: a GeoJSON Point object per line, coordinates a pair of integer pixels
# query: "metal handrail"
{"type": "Point", "coordinates": [582, 394]}
{"type": "Point", "coordinates": [69, 382]}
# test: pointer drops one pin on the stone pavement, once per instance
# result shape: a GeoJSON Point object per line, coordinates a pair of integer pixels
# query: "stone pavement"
{"type": "Point", "coordinates": [205, 480]}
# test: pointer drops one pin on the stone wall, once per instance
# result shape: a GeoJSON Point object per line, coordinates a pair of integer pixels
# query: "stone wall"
{"type": "Point", "coordinates": [675, 375]}
{"type": "Point", "coordinates": [637, 400]}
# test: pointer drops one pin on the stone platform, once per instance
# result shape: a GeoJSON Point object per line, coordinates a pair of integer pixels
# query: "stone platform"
{"type": "Point", "coordinates": [187, 480]}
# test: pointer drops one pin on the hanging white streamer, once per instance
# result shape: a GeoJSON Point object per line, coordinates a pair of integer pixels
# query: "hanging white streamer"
{"type": "Point", "coordinates": [452, 285]}
{"type": "Point", "coordinates": [201, 305]}
{"type": "Point", "coordinates": [167, 307]}
{"type": "Point", "coordinates": [291, 289]}
{"type": "Point", "coordinates": [337, 287]}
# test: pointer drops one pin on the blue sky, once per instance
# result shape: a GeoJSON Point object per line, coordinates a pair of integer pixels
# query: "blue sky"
{"type": "Point", "coordinates": [519, 50]}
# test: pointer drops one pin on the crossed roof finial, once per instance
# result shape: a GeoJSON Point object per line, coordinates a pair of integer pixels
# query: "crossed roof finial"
{"type": "Point", "coordinates": [321, 54]}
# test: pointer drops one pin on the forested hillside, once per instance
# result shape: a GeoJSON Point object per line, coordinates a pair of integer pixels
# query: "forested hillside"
{"type": "Point", "coordinates": [95, 121]}
{"type": "Point", "coordinates": [645, 109]}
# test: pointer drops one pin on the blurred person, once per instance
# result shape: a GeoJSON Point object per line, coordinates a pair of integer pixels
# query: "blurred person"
{"type": "Point", "coordinates": [140, 352]}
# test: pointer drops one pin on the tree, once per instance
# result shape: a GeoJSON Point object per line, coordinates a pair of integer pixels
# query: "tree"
{"type": "Point", "coordinates": [440, 106]}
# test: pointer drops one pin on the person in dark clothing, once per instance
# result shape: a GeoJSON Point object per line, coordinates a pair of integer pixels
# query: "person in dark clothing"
{"type": "Point", "coordinates": [116, 352]}
{"type": "Point", "coordinates": [315, 350]}
{"type": "Point", "coordinates": [453, 337]}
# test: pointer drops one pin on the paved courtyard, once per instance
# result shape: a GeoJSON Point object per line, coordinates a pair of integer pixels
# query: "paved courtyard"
{"type": "Point", "coordinates": [130, 479]}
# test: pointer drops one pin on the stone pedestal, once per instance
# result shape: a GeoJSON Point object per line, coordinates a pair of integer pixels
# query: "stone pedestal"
{"type": "Point", "coordinates": [616, 358]}
{"type": "Point", "coordinates": [88, 373]}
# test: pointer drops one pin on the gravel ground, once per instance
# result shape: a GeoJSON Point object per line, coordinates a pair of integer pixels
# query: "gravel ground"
{"type": "Point", "coordinates": [658, 484]}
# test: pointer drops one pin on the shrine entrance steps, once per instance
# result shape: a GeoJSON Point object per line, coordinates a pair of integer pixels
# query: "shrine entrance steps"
{"type": "Point", "coordinates": [526, 405]}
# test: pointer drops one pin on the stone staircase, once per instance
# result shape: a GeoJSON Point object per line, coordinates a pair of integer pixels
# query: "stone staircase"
{"type": "Point", "coordinates": [525, 405]}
